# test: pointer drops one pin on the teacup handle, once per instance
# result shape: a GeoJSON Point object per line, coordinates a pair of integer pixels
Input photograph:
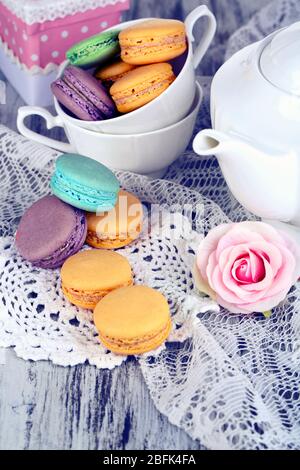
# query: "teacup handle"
{"type": "Point", "coordinates": [208, 36]}
{"type": "Point", "coordinates": [51, 121]}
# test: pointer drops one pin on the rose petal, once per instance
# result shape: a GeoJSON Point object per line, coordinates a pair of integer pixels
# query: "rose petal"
{"type": "Point", "coordinates": [212, 263]}
{"type": "Point", "coordinates": [294, 248]}
{"type": "Point", "coordinates": [244, 292]}
{"type": "Point", "coordinates": [257, 267]}
{"type": "Point", "coordinates": [265, 303]}
{"type": "Point", "coordinates": [255, 290]}
{"type": "Point", "coordinates": [200, 284]}
{"type": "Point", "coordinates": [269, 251]}
{"type": "Point", "coordinates": [241, 271]}
{"type": "Point", "coordinates": [269, 233]}
{"type": "Point", "coordinates": [220, 287]}
{"type": "Point", "coordinates": [237, 236]}
{"type": "Point", "coordinates": [208, 245]}
{"type": "Point", "coordinates": [274, 253]}
{"type": "Point", "coordinates": [232, 308]}
{"type": "Point", "coordinates": [285, 277]}
{"type": "Point", "coordinates": [249, 270]}
{"type": "Point", "coordinates": [230, 254]}
{"type": "Point", "coordinates": [228, 282]}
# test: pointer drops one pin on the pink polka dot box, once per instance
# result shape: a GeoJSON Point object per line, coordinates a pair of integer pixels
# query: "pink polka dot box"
{"type": "Point", "coordinates": [35, 34]}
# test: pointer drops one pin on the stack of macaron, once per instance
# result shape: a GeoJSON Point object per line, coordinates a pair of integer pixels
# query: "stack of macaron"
{"type": "Point", "coordinates": [88, 206]}
{"type": "Point", "coordinates": [117, 72]}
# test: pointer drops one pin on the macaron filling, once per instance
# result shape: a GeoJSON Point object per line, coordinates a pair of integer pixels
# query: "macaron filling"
{"type": "Point", "coordinates": [111, 80]}
{"type": "Point", "coordinates": [135, 95]}
{"type": "Point", "coordinates": [136, 345]}
{"type": "Point", "coordinates": [91, 298]}
{"type": "Point", "coordinates": [109, 240]}
{"type": "Point", "coordinates": [69, 248]}
{"type": "Point", "coordinates": [129, 342]}
{"type": "Point", "coordinates": [179, 40]}
{"type": "Point", "coordinates": [141, 86]}
{"type": "Point", "coordinates": [105, 108]}
{"type": "Point", "coordinates": [88, 51]}
{"type": "Point", "coordinates": [68, 92]}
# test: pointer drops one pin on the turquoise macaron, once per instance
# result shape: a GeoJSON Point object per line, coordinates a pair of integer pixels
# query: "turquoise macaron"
{"type": "Point", "coordinates": [95, 50]}
{"type": "Point", "coordinates": [84, 183]}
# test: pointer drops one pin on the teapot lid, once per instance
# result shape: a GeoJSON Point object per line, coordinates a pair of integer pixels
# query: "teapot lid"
{"type": "Point", "coordinates": [280, 59]}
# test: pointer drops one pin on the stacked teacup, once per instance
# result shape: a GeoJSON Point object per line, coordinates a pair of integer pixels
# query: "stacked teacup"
{"type": "Point", "coordinates": [144, 137]}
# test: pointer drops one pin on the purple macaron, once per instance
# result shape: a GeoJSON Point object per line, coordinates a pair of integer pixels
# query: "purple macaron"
{"type": "Point", "coordinates": [83, 95]}
{"type": "Point", "coordinates": [50, 231]}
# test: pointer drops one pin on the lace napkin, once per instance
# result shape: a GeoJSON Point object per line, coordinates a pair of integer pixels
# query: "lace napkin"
{"type": "Point", "coordinates": [40, 11]}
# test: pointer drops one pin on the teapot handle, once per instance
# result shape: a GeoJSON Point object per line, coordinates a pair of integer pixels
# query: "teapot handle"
{"type": "Point", "coordinates": [208, 36]}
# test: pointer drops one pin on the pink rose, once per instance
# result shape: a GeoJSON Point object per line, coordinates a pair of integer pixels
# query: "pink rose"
{"type": "Point", "coordinates": [247, 267]}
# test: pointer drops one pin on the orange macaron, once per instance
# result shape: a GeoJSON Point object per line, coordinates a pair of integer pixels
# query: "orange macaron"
{"type": "Point", "coordinates": [116, 228]}
{"type": "Point", "coordinates": [90, 275]}
{"type": "Point", "coordinates": [140, 86]}
{"type": "Point", "coordinates": [153, 41]}
{"type": "Point", "coordinates": [110, 73]}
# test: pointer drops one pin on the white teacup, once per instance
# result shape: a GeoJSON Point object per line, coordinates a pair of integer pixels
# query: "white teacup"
{"type": "Point", "coordinates": [149, 154]}
{"type": "Point", "coordinates": [172, 105]}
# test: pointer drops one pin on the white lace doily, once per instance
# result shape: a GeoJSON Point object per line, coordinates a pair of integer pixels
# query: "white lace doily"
{"type": "Point", "coordinates": [39, 11]}
{"type": "Point", "coordinates": [35, 318]}
{"type": "Point", "coordinates": [233, 381]}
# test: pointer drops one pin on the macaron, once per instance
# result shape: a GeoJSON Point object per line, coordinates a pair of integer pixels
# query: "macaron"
{"type": "Point", "coordinates": [110, 73]}
{"type": "Point", "coordinates": [84, 183]}
{"type": "Point", "coordinates": [153, 41]}
{"type": "Point", "coordinates": [90, 275]}
{"type": "Point", "coordinates": [49, 232]}
{"type": "Point", "coordinates": [83, 95]}
{"type": "Point", "coordinates": [140, 86]}
{"type": "Point", "coordinates": [133, 320]}
{"type": "Point", "coordinates": [98, 48]}
{"type": "Point", "coordinates": [118, 227]}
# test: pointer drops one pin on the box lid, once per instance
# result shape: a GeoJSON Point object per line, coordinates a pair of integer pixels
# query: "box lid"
{"type": "Point", "coordinates": [40, 11]}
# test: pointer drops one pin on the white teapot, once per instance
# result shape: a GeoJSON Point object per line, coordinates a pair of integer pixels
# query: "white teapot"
{"type": "Point", "coordinates": [255, 110]}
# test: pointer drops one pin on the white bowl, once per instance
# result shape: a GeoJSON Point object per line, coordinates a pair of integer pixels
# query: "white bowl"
{"type": "Point", "coordinates": [174, 103]}
{"type": "Point", "coordinates": [149, 154]}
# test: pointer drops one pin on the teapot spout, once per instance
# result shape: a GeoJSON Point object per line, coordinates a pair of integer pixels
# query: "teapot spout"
{"type": "Point", "coordinates": [211, 142]}
{"type": "Point", "coordinates": [226, 146]}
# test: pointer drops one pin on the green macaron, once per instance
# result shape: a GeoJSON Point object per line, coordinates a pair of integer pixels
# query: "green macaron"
{"type": "Point", "coordinates": [95, 50]}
